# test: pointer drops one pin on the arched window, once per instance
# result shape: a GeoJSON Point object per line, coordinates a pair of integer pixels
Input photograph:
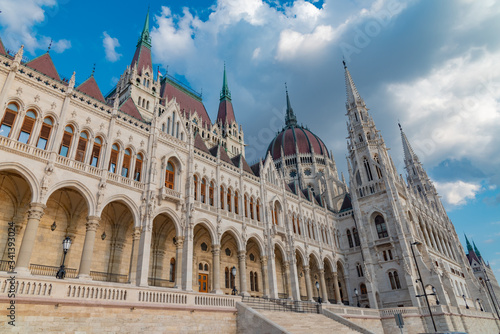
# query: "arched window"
{"type": "Point", "coordinates": [8, 119]}
{"type": "Point", "coordinates": [362, 289]}
{"type": "Point", "coordinates": [229, 195]}
{"type": "Point", "coordinates": [200, 266]}
{"type": "Point", "coordinates": [147, 103]}
{"type": "Point", "coordinates": [251, 208]}
{"type": "Point", "coordinates": [275, 214]}
{"type": "Point", "coordinates": [394, 280]}
{"type": "Point", "coordinates": [172, 269]}
{"type": "Point", "coordinates": [138, 167]}
{"type": "Point", "coordinates": [168, 125]}
{"type": "Point", "coordinates": [211, 193]}
{"type": "Point", "coordinates": [81, 148]}
{"type": "Point", "coordinates": [66, 141]}
{"type": "Point", "coordinates": [355, 235]}
{"type": "Point", "coordinates": [298, 225]}
{"type": "Point", "coordinates": [368, 170]}
{"type": "Point", "coordinates": [113, 160]}
{"type": "Point", "coordinates": [195, 184]}
{"type": "Point", "coordinates": [139, 101]}
{"type": "Point", "coordinates": [293, 223]}
{"type": "Point", "coordinates": [257, 208]}
{"type": "Point", "coordinates": [170, 175]}
{"type": "Point", "coordinates": [203, 190]}
{"type": "Point", "coordinates": [27, 127]}
{"type": "Point", "coordinates": [236, 206]}
{"type": "Point", "coordinates": [349, 239]}
{"type": "Point", "coordinates": [252, 288]}
{"type": "Point", "coordinates": [256, 282]}
{"type": "Point", "coordinates": [381, 227]}
{"type": "Point", "coordinates": [206, 267]}
{"type": "Point", "coordinates": [227, 279]}
{"type": "Point", "coordinates": [126, 162]}
{"type": "Point", "coordinates": [379, 171]}
{"type": "Point", "coordinates": [222, 197]}
{"type": "Point", "coordinates": [246, 205]}
{"type": "Point", "coordinates": [233, 278]}
{"type": "Point", "coordinates": [359, 269]}
{"type": "Point", "coordinates": [96, 151]}
{"type": "Point", "coordinates": [44, 133]}
{"type": "Point", "coordinates": [391, 280]}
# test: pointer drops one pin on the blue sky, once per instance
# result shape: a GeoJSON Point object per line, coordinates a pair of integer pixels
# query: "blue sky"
{"type": "Point", "coordinates": [432, 65]}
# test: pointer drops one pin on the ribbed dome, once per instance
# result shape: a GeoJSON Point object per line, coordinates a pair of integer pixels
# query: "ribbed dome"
{"type": "Point", "coordinates": [293, 137]}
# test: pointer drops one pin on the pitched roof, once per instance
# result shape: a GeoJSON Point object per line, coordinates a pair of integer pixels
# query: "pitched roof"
{"type": "Point", "coordinates": [2, 48]}
{"type": "Point", "coordinates": [199, 143]}
{"type": "Point", "coordinates": [226, 113]}
{"type": "Point", "coordinates": [346, 204]}
{"type": "Point", "coordinates": [224, 157]}
{"type": "Point", "coordinates": [91, 88]}
{"type": "Point", "coordinates": [256, 169]}
{"type": "Point", "coordinates": [187, 101]}
{"type": "Point", "coordinates": [290, 187]}
{"type": "Point", "coordinates": [130, 109]}
{"type": "Point", "coordinates": [45, 65]}
{"type": "Point", "coordinates": [142, 58]}
{"type": "Point", "coordinates": [236, 161]}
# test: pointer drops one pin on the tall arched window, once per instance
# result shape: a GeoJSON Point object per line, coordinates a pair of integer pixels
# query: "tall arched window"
{"type": "Point", "coordinates": [236, 206]}
{"type": "Point", "coordinates": [113, 160]}
{"type": "Point", "coordinates": [8, 119]}
{"type": "Point", "coordinates": [222, 197]}
{"type": "Point", "coordinates": [172, 269]}
{"type": "Point", "coordinates": [355, 235]}
{"type": "Point", "coordinates": [203, 190]}
{"type": "Point", "coordinates": [252, 288]}
{"type": "Point", "coordinates": [27, 127]}
{"type": "Point", "coordinates": [293, 224]}
{"type": "Point", "coordinates": [96, 151]}
{"type": "Point", "coordinates": [170, 175]}
{"type": "Point", "coordinates": [359, 269]}
{"type": "Point", "coordinates": [138, 167]}
{"type": "Point", "coordinates": [349, 239]}
{"type": "Point", "coordinates": [227, 278]}
{"type": "Point", "coordinates": [195, 184]}
{"type": "Point", "coordinates": [298, 225]}
{"type": "Point", "coordinates": [81, 148]}
{"type": "Point", "coordinates": [362, 289]}
{"type": "Point", "coordinates": [368, 170]}
{"type": "Point", "coordinates": [245, 204]}
{"type": "Point", "coordinates": [211, 193]}
{"type": "Point", "coordinates": [379, 171]}
{"type": "Point", "coordinates": [126, 162]}
{"type": "Point", "coordinates": [66, 141]}
{"type": "Point", "coordinates": [381, 227]}
{"type": "Point", "coordinates": [394, 280]}
{"type": "Point", "coordinates": [229, 195]}
{"type": "Point", "coordinates": [257, 207]}
{"type": "Point", "coordinates": [251, 208]}
{"type": "Point", "coordinates": [256, 282]}
{"type": "Point", "coordinates": [43, 138]}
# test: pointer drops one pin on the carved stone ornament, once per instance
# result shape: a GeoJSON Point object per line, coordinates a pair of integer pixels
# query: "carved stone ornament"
{"type": "Point", "coordinates": [130, 139]}
{"type": "Point", "coordinates": [53, 105]}
{"type": "Point", "coordinates": [19, 91]}
{"type": "Point", "coordinates": [88, 120]}
{"type": "Point", "coordinates": [368, 274]}
{"type": "Point", "coordinates": [37, 98]}
{"type": "Point", "coordinates": [73, 114]}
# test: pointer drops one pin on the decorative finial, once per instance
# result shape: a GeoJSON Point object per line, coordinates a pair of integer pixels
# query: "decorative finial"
{"type": "Point", "coordinates": [343, 62]}
{"type": "Point", "coordinates": [50, 45]}
{"type": "Point", "coordinates": [286, 88]}
{"type": "Point", "coordinates": [72, 80]}
{"type": "Point", "coordinates": [93, 70]}
{"type": "Point", "coordinates": [400, 128]}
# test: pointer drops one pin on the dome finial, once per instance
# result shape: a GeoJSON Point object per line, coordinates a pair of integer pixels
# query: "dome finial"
{"type": "Point", "coordinates": [290, 119]}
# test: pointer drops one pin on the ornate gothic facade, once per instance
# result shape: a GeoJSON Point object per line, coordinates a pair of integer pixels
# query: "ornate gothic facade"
{"type": "Point", "coordinates": [151, 192]}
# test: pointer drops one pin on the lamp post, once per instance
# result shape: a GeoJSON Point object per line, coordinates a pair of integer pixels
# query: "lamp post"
{"type": "Point", "coordinates": [317, 288]}
{"type": "Point", "coordinates": [480, 306]}
{"type": "Point", "coordinates": [357, 296]}
{"type": "Point", "coordinates": [465, 300]}
{"type": "Point", "coordinates": [66, 244]}
{"type": "Point", "coordinates": [422, 284]}
{"type": "Point", "coordinates": [233, 272]}
{"type": "Point", "coordinates": [434, 293]}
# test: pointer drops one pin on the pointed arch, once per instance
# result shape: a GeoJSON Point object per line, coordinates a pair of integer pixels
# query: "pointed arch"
{"type": "Point", "coordinates": [128, 202]}
{"type": "Point", "coordinates": [28, 176]}
{"type": "Point", "coordinates": [78, 186]}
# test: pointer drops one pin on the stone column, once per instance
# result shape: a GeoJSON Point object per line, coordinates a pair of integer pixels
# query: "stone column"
{"type": "Point", "coordinates": [322, 287]}
{"type": "Point", "coordinates": [88, 247]}
{"type": "Point", "coordinates": [117, 259]}
{"type": "Point", "coordinates": [179, 244]}
{"type": "Point", "coordinates": [307, 273]}
{"type": "Point", "coordinates": [271, 275]}
{"type": "Point", "coordinates": [35, 213]}
{"type": "Point", "coordinates": [216, 270]}
{"type": "Point", "coordinates": [136, 235]}
{"type": "Point", "coordinates": [187, 261]}
{"type": "Point", "coordinates": [242, 256]}
{"type": "Point", "coordinates": [144, 255]}
{"type": "Point", "coordinates": [294, 280]}
{"type": "Point", "coordinates": [288, 280]}
{"type": "Point", "coordinates": [265, 278]}
{"type": "Point", "coordinates": [159, 257]}
{"type": "Point", "coordinates": [336, 288]}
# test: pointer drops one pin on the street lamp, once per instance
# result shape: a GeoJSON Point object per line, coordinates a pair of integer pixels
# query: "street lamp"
{"type": "Point", "coordinates": [233, 272]}
{"type": "Point", "coordinates": [465, 300]}
{"type": "Point", "coordinates": [480, 306]}
{"type": "Point", "coordinates": [317, 287]}
{"type": "Point", "coordinates": [357, 296]}
{"type": "Point", "coordinates": [66, 244]}
{"type": "Point", "coordinates": [422, 283]}
{"type": "Point", "coordinates": [434, 293]}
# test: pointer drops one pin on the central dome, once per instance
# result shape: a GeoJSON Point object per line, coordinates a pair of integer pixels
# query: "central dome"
{"type": "Point", "coordinates": [293, 138]}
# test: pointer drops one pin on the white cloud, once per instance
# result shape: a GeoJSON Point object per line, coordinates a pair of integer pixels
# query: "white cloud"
{"type": "Point", "coordinates": [18, 20]}
{"type": "Point", "coordinates": [293, 43]}
{"type": "Point", "coordinates": [110, 44]}
{"type": "Point", "coordinates": [457, 193]}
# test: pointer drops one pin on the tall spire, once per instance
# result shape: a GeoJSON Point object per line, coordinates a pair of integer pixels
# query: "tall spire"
{"type": "Point", "coordinates": [225, 93]}
{"type": "Point", "coordinates": [145, 39]}
{"type": "Point", "coordinates": [410, 156]}
{"type": "Point", "coordinates": [353, 97]}
{"type": "Point", "coordinates": [476, 250]}
{"type": "Point", "coordinates": [469, 247]}
{"type": "Point", "coordinates": [290, 119]}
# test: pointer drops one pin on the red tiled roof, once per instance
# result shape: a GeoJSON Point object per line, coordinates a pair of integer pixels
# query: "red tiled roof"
{"type": "Point", "coordinates": [2, 49]}
{"type": "Point", "coordinates": [142, 57]}
{"type": "Point", "coordinates": [256, 169]}
{"type": "Point", "coordinates": [226, 113]}
{"type": "Point", "coordinates": [189, 103]}
{"type": "Point", "coordinates": [294, 137]}
{"type": "Point", "coordinates": [91, 88]}
{"type": "Point", "coordinates": [199, 143]}
{"type": "Point", "coordinates": [44, 64]}
{"type": "Point", "coordinates": [246, 167]}
{"type": "Point", "coordinates": [224, 156]}
{"type": "Point", "coordinates": [130, 109]}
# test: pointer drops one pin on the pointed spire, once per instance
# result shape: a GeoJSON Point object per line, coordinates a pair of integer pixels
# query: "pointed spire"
{"type": "Point", "coordinates": [353, 96]}
{"type": "Point", "coordinates": [72, 80]}
{"type": "Point", "coordinates": [225, 93]}
{"type": "Point", "coordinates": [290, 119]}
{"type": "Point", "coordinates": [476, 250]}
{"type": "Point", "coordinates": [469, 247]}
{"type": "Point", "coordinates": [410, 155]}
{"type": "Point", "coordinates": [145, 39]}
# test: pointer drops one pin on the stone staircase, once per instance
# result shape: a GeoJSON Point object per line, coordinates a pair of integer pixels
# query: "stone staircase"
{"type": "Point", "coordinates": [299, 323]}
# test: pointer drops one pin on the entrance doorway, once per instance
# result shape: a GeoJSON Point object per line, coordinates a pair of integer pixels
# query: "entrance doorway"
{"type": "Point", "coordinates": [203, 282]}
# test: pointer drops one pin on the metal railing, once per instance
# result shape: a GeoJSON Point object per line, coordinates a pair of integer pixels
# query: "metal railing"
{"type": "Point", "coordinates": [39, 269]}
{"type": "Point", "coordinates": [282, 305]}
